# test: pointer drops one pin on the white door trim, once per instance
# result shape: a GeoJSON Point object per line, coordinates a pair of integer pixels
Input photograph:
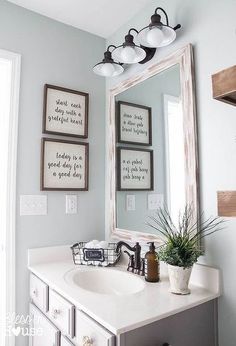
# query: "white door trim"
{"type": "Point", "coordinates": [11, 184]}
{"type": "Point", "coordinates": [166, 99]}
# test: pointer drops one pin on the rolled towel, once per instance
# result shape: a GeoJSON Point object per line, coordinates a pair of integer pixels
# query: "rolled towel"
{"type": "Point", "coordinates": [103, 244]}
{"type": "Point", "coordinates": [91, 244]}
{"type": "Point", "coordinates": [95, 242]}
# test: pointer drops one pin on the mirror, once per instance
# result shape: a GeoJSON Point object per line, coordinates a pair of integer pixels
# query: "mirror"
{"type": "Point", "coordinates": [161, 94]}
{"type": "Point", "coordinates": [152, 146]}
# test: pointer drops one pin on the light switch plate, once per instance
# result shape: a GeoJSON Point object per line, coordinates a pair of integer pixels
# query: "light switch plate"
{"type": "Point", "coordinates": [33, 205]}
{"type": "Point", "coordinates": [155, 201]}
{"type": "Point", "coordinates": [71, 204]}
{"type": "Point", "coordinates": [130, 202]}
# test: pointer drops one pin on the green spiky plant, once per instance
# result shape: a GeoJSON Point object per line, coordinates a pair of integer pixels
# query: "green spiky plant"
{"type": "Point", "coordinates": [182, 242]}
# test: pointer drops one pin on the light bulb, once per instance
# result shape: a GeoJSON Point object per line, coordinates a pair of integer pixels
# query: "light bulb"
{"type": "Point", "coordinates": [107, 69]}
{"type": "Point", "coordinates": [155, 37]}
{"type": "Point", "coordinates": [128, 54]}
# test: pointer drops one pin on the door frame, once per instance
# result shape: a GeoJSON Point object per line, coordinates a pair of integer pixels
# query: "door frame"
{"type": "Point", "coordinates": [166, 99]}
{"type": "Point", "coordinates": [15, 60]}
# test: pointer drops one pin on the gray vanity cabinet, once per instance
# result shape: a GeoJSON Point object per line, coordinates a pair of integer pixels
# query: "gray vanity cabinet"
{"type": "Point", "coordinates": [65, 342]}
{"type": "Point", "coordinates": [61, 323]}
{"type": "Point", "coordinates": [89, 332]}
{"type": "Point", "coordinates": [43, 332]}
{"type": "Point", "coordinates": [193, 327]}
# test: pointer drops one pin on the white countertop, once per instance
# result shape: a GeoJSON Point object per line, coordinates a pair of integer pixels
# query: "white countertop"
{"type": "Point", "coordinates": [120, 314]}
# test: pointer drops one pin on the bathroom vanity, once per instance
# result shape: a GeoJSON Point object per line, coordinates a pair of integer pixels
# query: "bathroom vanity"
{"type": "Point", "coordinates": [82, 306]}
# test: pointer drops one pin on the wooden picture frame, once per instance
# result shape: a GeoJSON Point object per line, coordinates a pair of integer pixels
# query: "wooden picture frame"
{"type": "Point", "coordinates": [65, 112]}
{"type": "Point", "coordinates": [138, 169]}
{"type": "Point", "coordinates": [64, 165]}
{"type": "Point", "coordinates": [134, 124]}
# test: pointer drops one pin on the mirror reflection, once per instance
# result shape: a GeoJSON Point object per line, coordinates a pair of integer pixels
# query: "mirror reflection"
{"type": "Point", "coordinates": [150, 150]}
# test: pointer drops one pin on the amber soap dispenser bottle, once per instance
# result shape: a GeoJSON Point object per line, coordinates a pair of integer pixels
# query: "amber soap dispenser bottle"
{"type": "Point", "coordinates": [152, 266]}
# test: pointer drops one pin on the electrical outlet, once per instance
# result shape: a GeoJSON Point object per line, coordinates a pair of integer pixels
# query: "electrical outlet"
{"type": "Point", "coordinates": [130, 202]}
{"type": "Point", "coordinates": [155, 201]}
{"type": "Point", "coordinates": [71, 204]}
{"type": "Point", "coordinates": [33, 205]}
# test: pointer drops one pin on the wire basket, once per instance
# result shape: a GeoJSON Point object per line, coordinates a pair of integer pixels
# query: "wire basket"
{"type": "Point", "coordinates": [95, 256]}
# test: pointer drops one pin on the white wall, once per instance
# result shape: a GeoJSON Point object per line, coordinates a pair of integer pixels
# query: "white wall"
{"type": "Point", "coordinates": [211, 27]}
{"type": "Point", "coordinates": [57, 54]}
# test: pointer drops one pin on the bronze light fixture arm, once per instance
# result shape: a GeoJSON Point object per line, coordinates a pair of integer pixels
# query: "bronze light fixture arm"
{"type": "Point", "coordinates": [178, 26]}
{"type": "Point", "coordinates": [156, 19]}
{"type": "Point", "coordinates": [165, 14]}
{"type": "Point", "coordinates": [111, 46]}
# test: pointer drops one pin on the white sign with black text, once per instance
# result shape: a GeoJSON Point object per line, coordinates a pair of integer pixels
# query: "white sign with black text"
{"type": "Point", "coordinates": [65, 112]}
{"type": "Point", "coordinates": [134, 124]}
{"type": "Point", "coordinates": [64, 165]}
{"type": "Point", "coordinates": [135, 169]}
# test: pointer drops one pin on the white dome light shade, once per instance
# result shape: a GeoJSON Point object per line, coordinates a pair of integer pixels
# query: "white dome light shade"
{"type": "Point", "coordinates": [128, 54]}
{"type": "Point", "coordinates": [169, 35]}
{"type": "Point", "coordinates": [156, 36]}
{"type": "Point", "coordinates": [108, 69]}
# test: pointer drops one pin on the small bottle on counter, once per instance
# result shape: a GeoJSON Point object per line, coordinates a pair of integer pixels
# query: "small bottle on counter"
{"type": "Point", "coordinates": [152, 266]}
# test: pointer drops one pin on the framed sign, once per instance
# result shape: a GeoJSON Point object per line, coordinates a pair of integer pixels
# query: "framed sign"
{"type": "Point", "coordinates": [64, 165]}
{"type": "Point", "coordinates": [65, 112]}
{"type": "Point", "coordinates": [134, 123]}
{"type": "Point", "coordinates": [134, 169]}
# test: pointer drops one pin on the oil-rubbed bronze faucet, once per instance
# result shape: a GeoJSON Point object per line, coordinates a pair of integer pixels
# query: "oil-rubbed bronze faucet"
{"type": "Point", "coordinates": [136, 263]}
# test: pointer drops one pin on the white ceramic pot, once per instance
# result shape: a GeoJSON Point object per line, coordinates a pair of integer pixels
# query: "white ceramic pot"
{"type": "Point", "coordinates": [179, 279]}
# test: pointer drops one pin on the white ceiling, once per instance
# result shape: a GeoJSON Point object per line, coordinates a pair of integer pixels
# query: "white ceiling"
{"type": "Point", "coordinates": [99, 17]}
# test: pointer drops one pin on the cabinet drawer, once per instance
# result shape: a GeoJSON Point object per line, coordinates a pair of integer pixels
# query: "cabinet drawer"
{"type": "Point", "coordinates": [44, 332]}
{"type": "Point", "coordinates": [62, 313]}
{"type": "Point", "coordinates": [88, 332]}
{"type": "Point", "coordinates": [65, 342]}
{"type": "Point", "coordinates": [39, 293]}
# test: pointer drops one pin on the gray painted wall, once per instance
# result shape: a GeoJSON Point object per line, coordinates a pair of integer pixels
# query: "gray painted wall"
{"type": "Point", "coordinates": [215, 49]}
{"type": "Point", "coordinates": [57, 54]}
{"type": "Point", "coordinates": [149, 93]}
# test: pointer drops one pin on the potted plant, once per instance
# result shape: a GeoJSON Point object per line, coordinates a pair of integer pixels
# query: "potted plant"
{"type": "Point", "coordinates": [182, 243]}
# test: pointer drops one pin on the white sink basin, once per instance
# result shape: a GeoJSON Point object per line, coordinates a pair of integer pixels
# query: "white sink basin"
{"type": "Point", "coordinates": [105, 281]}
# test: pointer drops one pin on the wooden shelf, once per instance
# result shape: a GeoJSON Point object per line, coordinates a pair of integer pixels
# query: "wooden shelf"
{"type": "Point", "coordinates": [226, 203]}
{"type": "Point", "coordinates": [224, 86]}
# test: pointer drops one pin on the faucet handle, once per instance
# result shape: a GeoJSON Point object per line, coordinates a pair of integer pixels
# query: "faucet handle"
{"type": "Point", "coordinates": [131, 261]}
{"type": "Point", "coordinates": [142, 269]}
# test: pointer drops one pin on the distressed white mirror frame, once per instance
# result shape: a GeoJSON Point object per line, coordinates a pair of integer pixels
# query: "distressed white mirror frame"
{"type": "Point", "coordinates": [183, 57]}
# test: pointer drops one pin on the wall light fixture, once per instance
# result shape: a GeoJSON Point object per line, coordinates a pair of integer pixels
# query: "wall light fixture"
{"type": "Point", "coordinates": [153, 36]}
{"type": "Point", "coordinates": [108, 67]}
{"type": "Point", "coordinates": [129, 52]}
{"type": "Point", "coordinates": [157, 34]}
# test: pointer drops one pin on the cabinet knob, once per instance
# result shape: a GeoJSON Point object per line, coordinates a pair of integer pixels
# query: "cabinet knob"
{"type": "Point", "coordinates": [35, 292]}
{"type": "Point", "coordinates": [87, 341]}
{"type": "Point", "coordinates": [55, 313]}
